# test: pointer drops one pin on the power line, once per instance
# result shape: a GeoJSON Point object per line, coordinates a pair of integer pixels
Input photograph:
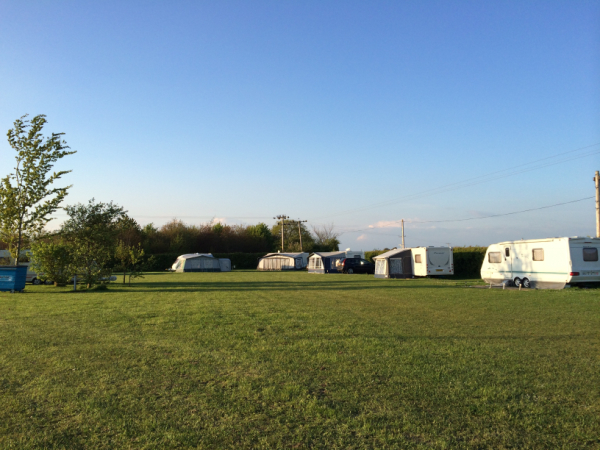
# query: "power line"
{"type": "Point", "coordinates": [469, 218]}
{"type": "Point", "coordinates": [492, 176]}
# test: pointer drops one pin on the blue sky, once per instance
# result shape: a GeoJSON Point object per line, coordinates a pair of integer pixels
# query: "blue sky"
{"type": "Point", "coordinates": [244, 110]}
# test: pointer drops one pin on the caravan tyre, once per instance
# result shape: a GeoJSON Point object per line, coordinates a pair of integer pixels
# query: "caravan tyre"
{"type": "Point", "coordinates": [526, 283]}
{"type": "Point", "coordinates": [36, 281]}
{"type": "Point", "coordinates": [517, 282]}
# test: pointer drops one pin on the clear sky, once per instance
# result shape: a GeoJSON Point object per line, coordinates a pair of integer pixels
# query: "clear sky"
{"type": "Point", "coordinates": [331, 111]}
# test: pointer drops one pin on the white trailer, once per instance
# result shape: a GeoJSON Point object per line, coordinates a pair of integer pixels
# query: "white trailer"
{"type": "Point", "coordinates": [429, 261]}
{"type": "Point", "coordinates": [552, 263]}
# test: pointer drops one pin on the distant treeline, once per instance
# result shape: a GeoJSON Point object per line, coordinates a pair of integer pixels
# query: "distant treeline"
{"type": "Point", "coordinates": [179, 237]}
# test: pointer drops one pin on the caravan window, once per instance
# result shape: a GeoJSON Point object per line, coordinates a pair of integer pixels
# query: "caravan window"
{"type": "Point", "coordinates": [495, 257]}
{"type": "Point", "coordinates": [538, 254]}
{"type": "Point", "coordinates": [590, 254]}
{"type": "Point", "coordinates": [418, 258]}
{"type": "Point", "coordinates": [507, 252]}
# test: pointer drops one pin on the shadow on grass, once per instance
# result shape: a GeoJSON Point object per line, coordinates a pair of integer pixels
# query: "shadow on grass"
{"type": "Point", "coordinates": [241, 286]}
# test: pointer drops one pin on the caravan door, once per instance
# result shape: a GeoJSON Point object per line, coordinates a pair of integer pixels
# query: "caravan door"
{"type": "Point", "coordinates": [508, 262]}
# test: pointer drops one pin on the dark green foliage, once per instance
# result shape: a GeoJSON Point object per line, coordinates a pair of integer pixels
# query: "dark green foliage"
{"type": "Point", "coordinates": [468, 261]}
{"type": "Point", "coordinates": [291, 238]}
{"type": "Point", "coordinates": [242, 260]}
{"type": "Point", "coordinates": [178, 237]}
{"type": "Point", "coordinates": [91, 232]}
{"type": "Point", "coordinates": [370, 255]}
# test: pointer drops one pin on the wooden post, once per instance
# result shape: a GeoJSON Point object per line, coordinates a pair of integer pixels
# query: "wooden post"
{"type": "Point", "coordinates": [597, 180]}
{"type": "Point", "coordinates": [403, 234]}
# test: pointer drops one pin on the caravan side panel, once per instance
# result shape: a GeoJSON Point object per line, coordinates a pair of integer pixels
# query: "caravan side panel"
{"type": "Point", "coordinates": [495, 269]}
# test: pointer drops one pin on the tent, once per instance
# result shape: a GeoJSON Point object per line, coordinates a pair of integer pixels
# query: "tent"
{"type": "Point", "coordinates": [201, 262]}
{"type": "Point", "coordinates": [396, 263]}
{"type": "Point", "coordinates": [283, 261]}
{"type": "Point", "coordinates": [325, 262]}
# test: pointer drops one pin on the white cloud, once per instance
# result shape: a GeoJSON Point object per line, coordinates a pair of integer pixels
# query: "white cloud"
{"type": "Point", "coordinates": [362, 237]}
{"type": "Point", "coordinates": [221, 220]}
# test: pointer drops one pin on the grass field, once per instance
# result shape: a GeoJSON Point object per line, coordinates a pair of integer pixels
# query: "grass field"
{"type": "Point", "coordinates": [294, 360]}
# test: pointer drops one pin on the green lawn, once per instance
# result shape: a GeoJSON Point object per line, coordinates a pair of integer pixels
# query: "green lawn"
{"type": "Point", "coordinates": [295, 360]}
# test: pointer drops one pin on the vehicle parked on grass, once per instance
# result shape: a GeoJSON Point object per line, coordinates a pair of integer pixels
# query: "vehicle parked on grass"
{"type": "Point", "coordinates": [553, 263]}
{"type": "Point", "coordinates": [355, 265]}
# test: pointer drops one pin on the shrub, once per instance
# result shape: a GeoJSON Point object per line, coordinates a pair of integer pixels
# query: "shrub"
{"type": "Point", "coordinates": [53, 261]}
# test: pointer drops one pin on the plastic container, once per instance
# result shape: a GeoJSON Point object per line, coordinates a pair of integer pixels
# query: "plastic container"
{"type": "Point", "coordinates": [12, 278]}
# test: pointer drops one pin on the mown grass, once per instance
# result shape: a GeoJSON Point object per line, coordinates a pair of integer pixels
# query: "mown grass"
{"type": "Point", "coordinates": [294, 360]}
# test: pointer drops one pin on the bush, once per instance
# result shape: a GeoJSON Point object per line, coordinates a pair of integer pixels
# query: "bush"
{"type": "Point", "coordinates": [53, 261]}
{"type": "Point", "coordinates": [468, 261]}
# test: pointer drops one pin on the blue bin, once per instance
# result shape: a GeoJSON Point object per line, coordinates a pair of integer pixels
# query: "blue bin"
{"type": "Point", "coordinates": [12, 278]}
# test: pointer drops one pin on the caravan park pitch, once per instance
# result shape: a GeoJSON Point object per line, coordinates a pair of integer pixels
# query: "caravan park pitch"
{"type": "Point", "coordinates": [248, 360]}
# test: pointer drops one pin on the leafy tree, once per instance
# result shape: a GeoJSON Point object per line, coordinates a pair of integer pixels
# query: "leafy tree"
{"type": "Point", "coordinates": [27, 198]}
{"type": "Point", "coordinates": [92, 233]}
{"type": "Point", "coordinates": [326, 238]}
{"type": "Point", "coordinates": [53, 259]}
{"type": "Point", "coordinates": [292, 238]}
{"type": "Point", "coordinates": [129, 231]}
{"type": "Point", "coordinates": [129, 257]}
{"type": "Point", "coordinates": [218, 228]}
{"type": "Point", "coordinates": [262, 232]}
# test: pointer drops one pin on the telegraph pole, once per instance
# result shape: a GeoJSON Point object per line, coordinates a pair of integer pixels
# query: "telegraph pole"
{"type": "Point", "coordinates": [403, 234]}
{"type": "Point", "coordinates": [597, 180]}
{"type": "Point", "coordinates": [281, 217]}
{"type": "Point", "coordinates": [300, 231]}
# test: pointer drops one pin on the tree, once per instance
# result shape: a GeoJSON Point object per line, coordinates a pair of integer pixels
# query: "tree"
{"type": "Point", "coordinates": [262, 232]}
{"type": "Point", "coordinates": [27, 198]}
{"type": "Point", "coordinates": [129, 256]}
{"type": "Point", "coordinates": [91, 231]}
{"type": "Point", "coordinates": [291, 237]}
{"type": "Point", "coordinates": [53, 259]}
{"type": "Point", "coordinates": [128, 230]}
{"type": "Point", "coordinates": [327, 237]}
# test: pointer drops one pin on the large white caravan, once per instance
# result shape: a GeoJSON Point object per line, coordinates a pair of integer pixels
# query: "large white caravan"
{"type": "Point", "coordinates": [543, 263]}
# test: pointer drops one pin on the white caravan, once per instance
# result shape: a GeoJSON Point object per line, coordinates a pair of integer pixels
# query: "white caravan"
{"type": "Point", "coordinates": [428, 261]}
{"type": "Point", "coordinates": [543, 263]}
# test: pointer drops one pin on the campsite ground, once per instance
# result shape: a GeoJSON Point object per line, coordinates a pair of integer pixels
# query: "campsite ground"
{"type": "Point", "coordinates": [293, 360]}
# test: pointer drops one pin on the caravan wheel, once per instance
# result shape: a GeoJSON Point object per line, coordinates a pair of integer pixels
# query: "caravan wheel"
{"type": "Point", "coordinates": [517, 282]}
{"type": "Point", "coordinates": [36, 281]}
{"type": "Point", "coordinates": [526, 283]}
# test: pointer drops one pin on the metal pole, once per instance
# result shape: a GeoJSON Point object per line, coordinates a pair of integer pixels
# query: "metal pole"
{"type": "Point", "coordinates": [403, 234]}
{"type": "Point", "coordinates": [300, 235]}
{"type": "Point", "coordinates": [597, 180]}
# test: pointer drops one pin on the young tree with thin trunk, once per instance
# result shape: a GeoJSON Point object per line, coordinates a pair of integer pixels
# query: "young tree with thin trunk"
{"type": "Point", "coordinates": [27, 198]}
